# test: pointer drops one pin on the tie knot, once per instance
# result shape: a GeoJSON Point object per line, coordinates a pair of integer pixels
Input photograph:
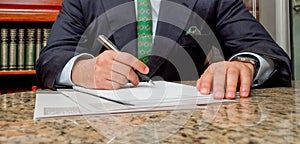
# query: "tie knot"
{"type": "Point", "coordinates": [144, 10]}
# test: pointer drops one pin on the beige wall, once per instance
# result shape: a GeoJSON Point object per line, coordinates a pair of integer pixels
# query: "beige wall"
{"type": "Point", "coordinates": [296, 37]}
{"type": "Point", "coordinates": [274, 15]}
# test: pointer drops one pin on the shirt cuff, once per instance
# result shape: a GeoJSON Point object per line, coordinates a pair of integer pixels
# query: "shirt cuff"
{"type": "Point", "coordinates": [65, 76]}
{"type": "Point", "coordinates": [265, 70]}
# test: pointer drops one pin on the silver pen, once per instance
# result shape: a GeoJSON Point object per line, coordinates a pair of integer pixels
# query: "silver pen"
{"type": "Point", "coordinates": [109, 45]}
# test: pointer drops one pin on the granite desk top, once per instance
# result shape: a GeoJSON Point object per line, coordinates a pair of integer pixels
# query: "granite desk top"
{"type": "Point", "coordinates": [270, 115]}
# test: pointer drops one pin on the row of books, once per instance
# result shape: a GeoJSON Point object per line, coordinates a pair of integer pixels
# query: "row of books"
{"type": "Point", "coordinates": [20, 47]}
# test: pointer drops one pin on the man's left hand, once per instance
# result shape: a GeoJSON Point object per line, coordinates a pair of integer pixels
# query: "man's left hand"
{"type": "Point", "coordinates": [224, 78]}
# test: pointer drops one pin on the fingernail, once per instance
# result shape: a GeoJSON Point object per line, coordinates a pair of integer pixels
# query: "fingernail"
{"type": "Point", "coordinates": [204, 91]}
{"type": "Point", "coordinates": [230, 95]}
{"type": "Point", "coordinates": [219, 95]}
{"type": "Point", "coordinates": [244, 94]}
{"type": "Point", "coordinates": [146, 70]}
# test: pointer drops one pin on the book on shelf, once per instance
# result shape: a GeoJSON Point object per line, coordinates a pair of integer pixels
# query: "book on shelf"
{"type": "Point", "coordinates": [30, 49]}
{"type": "Point", "coordinates": [46, 32]}
{"type": "Point", "coordinates": [38, 42]}
{"type": "Point", "coordinates": [21, 49]}
{"type": "Point", "coordinates": [4, 49]}
{"type": "Point", "coordinates": [12, 63]}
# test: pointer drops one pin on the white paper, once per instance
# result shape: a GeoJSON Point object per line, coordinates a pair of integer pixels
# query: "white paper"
{"type": "Point", "coordinates": [82, 101]}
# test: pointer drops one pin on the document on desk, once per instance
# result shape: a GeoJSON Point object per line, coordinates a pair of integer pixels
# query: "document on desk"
{"type": "Point", "coordinates": [129, 98]}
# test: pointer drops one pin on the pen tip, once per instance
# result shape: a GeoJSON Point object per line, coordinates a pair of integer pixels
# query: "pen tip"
{"type": "Point", "coordinates": [152, 83]}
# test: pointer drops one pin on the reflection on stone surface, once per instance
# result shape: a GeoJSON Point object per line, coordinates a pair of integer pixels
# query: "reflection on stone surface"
{"type": "Point", "coordinates": [268, 116]}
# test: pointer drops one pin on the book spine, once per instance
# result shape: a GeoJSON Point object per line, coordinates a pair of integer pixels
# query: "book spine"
{"type": "Point", "coordinates": [30, 49]}
{"type": "Point", "coordinates": [38, 42]}
{"type": "Point", "coordinates": [12, 49]}
{"type": "Point", "coordinates": [21, 49]}
{"type": "Point", "coordinates": [46, 32]}
{"type": "Point", "coordinates": [4, 49]}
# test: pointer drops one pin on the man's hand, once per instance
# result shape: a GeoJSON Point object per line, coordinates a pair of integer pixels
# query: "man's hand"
{"type": "Point", "coordinates": [225, 77]}
{"type": "Point", "coordinates": [109, 70]}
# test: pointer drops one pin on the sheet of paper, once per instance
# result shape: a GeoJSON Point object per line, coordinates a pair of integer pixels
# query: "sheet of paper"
{"type": "Point", "coordinates": [162, 92]}
{"type": "Point", "coordinates": [82, 101]}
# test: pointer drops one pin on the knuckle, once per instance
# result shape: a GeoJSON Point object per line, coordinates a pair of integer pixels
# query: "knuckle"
{"type": "Point", "coordinates": [108, 52]}
{"type": "Point", "coordinates": [231, 87]}
{"type": "Point", "coordinates": [209, 70]}
{"type": "Point", "coordinates": [124, 56]}
{"type": "Point", "coordinates": [102, 60]}
{"type": "Point", "coordinates": [218, 86]}
{"type": "Point", "coordinates": [232, 71]}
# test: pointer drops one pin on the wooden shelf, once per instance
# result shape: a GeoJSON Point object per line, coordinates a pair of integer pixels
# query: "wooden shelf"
{"type": "Point", "coordinates": [42, 16]}
{"type": "Point", "coordinates": [29, 11]}
{"type": "Point", "coordinates": [20, 72]}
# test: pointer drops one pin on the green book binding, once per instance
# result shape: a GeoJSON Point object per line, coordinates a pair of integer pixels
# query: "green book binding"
{"type": "Point", "coordinates": [21, 49]}
{"type": "Point", "coordinates": [46, 32]}
{"type": "Point", "coordinates": [4, 49]}
{"type": "Point", "coordinates": [12, 63]}
{"type": "Point", "coordinates": [30, 49]}
{"type": "Point", "coordinates": [38, 42]}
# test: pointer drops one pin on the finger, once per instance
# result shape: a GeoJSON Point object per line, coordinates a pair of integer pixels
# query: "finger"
{"type": "Point", "coordinates": [219, 80]}
{"type": "Point", "coordinates": [246, 80]}
{"type": "Point", "coordinates": [112, 85]}
{"type": "Point", "coordinates": [205, 82]}
{"type": "Point", "coordinates": [118, 78]}
{"type": "Point", "coordinates": [104, 76]}
{"type": "Point", "coordinates": [133, 77]}
{"type": "Point", "coordinates": [126, 71]}
{"type": "Point", "coordinates": [106, 84]}
{"type": "Point", "coordinates": [232, 82]}
{"type": "Point", "coordinates": [132, 61]}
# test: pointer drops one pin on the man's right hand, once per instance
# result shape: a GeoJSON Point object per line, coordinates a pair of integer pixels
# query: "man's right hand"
{"type": "Point", "coordinates": [109, 70]}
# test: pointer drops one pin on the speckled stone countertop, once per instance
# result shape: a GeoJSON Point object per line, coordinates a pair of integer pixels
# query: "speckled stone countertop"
{"type": "Point", "coordinates": [270, 115]}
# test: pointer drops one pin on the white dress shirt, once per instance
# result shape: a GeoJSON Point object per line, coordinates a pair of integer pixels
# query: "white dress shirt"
{"type": "Point", "coordinates": [266, 67]}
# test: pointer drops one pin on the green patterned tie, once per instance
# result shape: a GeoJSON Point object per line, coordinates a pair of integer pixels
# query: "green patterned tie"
{"type": "Point", "coordinates": [144, 28]}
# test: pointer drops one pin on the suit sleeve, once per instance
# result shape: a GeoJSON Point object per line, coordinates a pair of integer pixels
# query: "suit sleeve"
{"type": "Point", "coordinates": [238, 31]}
{"type": "Point", "coordinates": [61, 44]}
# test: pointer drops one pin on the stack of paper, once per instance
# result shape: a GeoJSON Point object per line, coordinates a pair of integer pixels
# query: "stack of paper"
{"type": "Point", "coordinates": [82, 101]}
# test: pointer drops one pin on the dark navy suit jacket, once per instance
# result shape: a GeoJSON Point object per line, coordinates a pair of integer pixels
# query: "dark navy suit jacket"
{"type": "Point", "coordinates": [190, 35]}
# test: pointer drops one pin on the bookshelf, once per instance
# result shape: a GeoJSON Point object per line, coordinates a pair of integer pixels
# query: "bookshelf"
{"type": "Point", "coordinates": [28, 15]}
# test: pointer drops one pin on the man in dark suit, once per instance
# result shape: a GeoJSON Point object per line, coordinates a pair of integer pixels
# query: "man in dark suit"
{"type": "Point", "coordinates": [192, 40]}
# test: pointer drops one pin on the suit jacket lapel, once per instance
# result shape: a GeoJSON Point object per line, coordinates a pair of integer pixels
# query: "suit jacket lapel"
{"type": "Point", "coordinates": [121, 17]}
{"type": "Point", "coordinates": [172, 12]}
